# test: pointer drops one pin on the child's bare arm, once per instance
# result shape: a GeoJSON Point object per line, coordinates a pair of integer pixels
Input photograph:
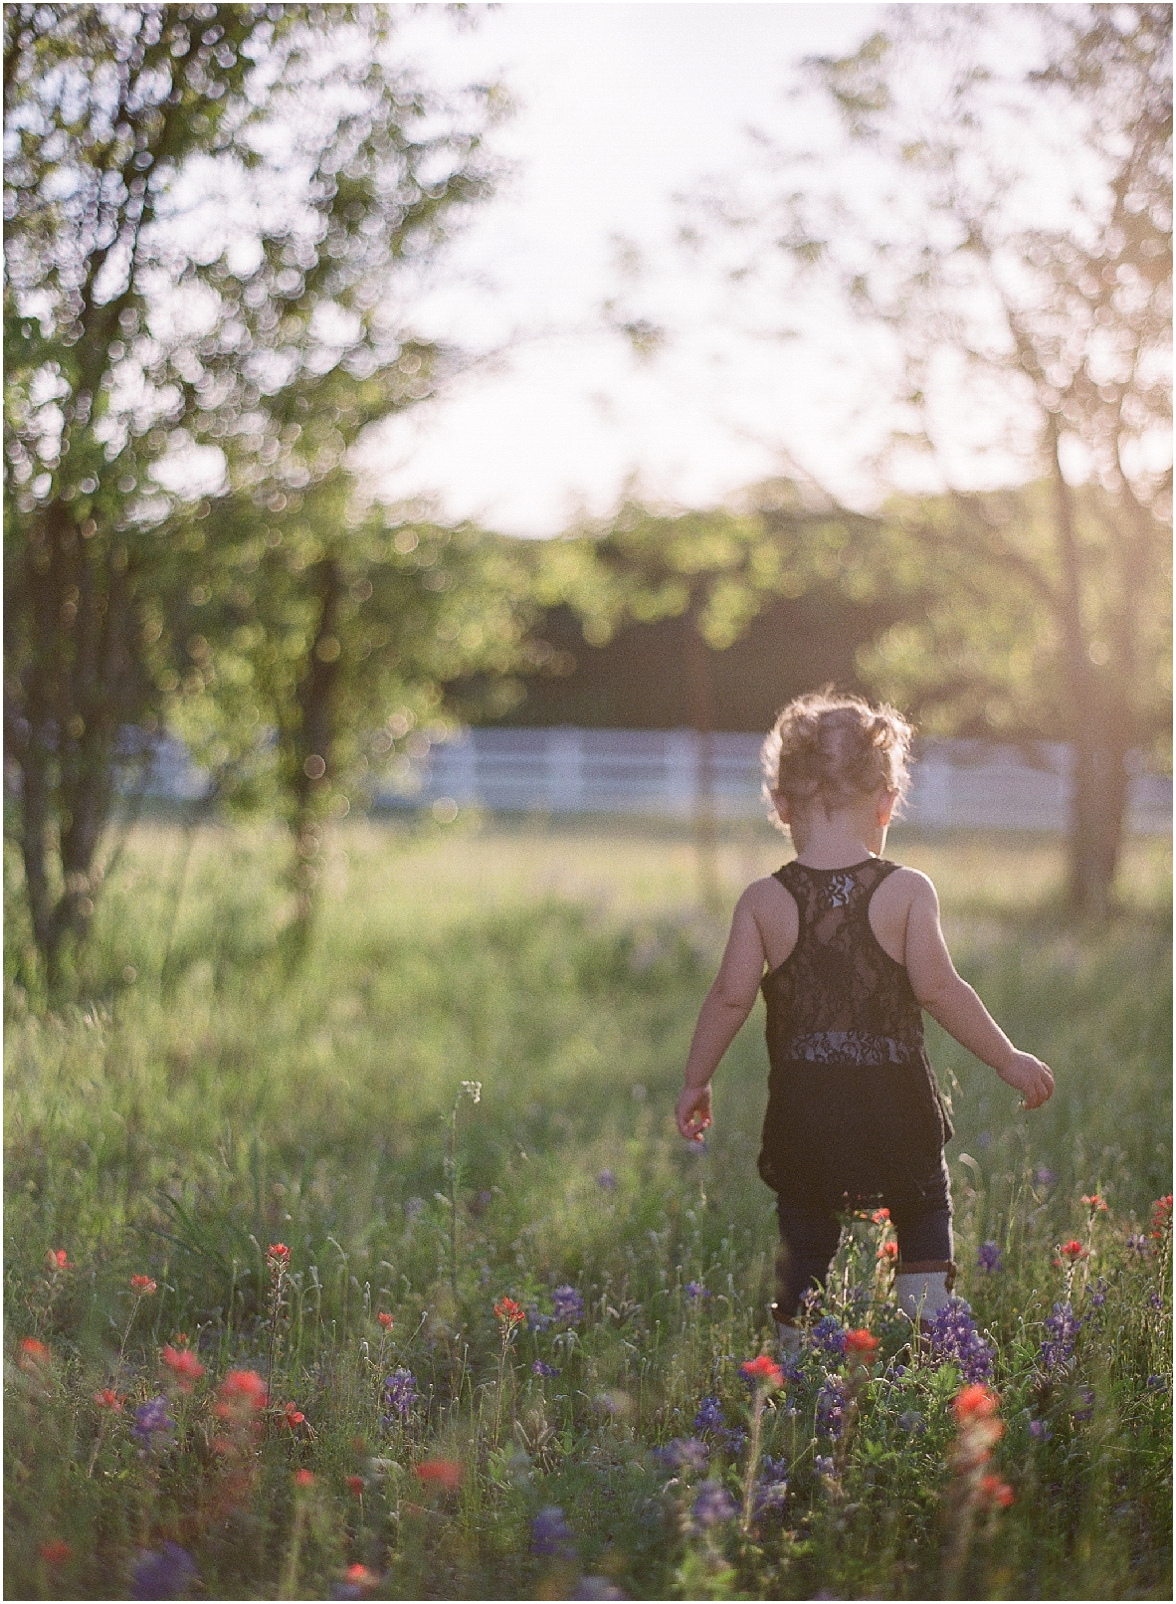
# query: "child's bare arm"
{"type": "Point", "coordinates": [727, 1005]}
{"type": "Point", "coordinates": [950, 1000]}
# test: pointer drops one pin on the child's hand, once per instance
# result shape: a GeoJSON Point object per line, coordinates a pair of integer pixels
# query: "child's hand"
{"type": "Point", "coordinates": [694, 1112]}
{"type": "Point", "coordinates": [1033, 1079]}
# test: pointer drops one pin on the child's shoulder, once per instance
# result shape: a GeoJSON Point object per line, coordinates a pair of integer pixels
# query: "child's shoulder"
{"type": "Point", "coordinates": [906, 884]}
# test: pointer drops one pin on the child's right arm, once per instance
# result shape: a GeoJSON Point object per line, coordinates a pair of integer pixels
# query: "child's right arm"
{"type": "Point", "coordinates": [952, 1002]}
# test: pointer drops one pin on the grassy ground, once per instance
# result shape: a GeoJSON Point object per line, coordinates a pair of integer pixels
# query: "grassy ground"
{"type": "Point", "coordinates": [202, 1107]}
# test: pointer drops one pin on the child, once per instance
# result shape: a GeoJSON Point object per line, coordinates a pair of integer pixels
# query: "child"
{"type": "Point", "coordinates": [847, 950]}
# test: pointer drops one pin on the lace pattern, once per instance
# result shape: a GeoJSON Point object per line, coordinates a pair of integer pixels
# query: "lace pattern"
{"type": "Point", "coordinates": [849, 1047]}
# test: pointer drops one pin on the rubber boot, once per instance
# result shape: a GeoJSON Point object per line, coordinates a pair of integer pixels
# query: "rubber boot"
{"type": "Point", "coordinates": [921, 1289]}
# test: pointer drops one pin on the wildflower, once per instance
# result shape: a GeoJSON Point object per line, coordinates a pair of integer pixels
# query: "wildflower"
{"type": "Point", "coordinates": [291, 1416]}
{"type": "Point", "coordinates": [304, 1478]}
{"type": "Point", "coordinates": [772, 1487]}
{"type": "Point", "coordinates": [183, 1364]}
{"type": "Point", "coordinates": [606, 1181]}
{"type": "Point", "coordinates": [242, 1393]}
{"type": "Point", "coordinates": [710, 1416]}
{"type": "Point", "coordinates": [1137, 1244]}
{"type": "Point", "coordinates": [165, 1573]}
{"type": "Point", "coordinates": [830, 1416]}
{"type": "Point", "coordinates": [763, 1372]}
{"type": "Point", "coordinates": [567, 1306]}
{"type": "Point", "coordinates": [1095, 1203]}
{"type": "Point", "coordinates": [954, 1339]}
{"type": "Point", "coordinates": [1072, 1250]}
{"type": "Point", "coordinates": [277, 1258]}
{"type": "Point", "coordinates": [544, 1370]}
{"type": "Point", "coordinates": [713, 1506]}
{"type": "Point", "coordinates": [829, 1335]}
{"type": "Point", "coordinates": [107, 1398]}
{"type": "Point", "coordinates": [1161, 1221]}
{"type": "Point", "coordinates": [152, 1420]}
{"type": "Point", "coordinates": [695, 1290]}
{"type": "Point", "coordinates": [861, 1347]}
{"type": "Point", "coordinates": [355, 1485]}
{"type": "Point", "coordinates": [995, 1491]}
{"type": "Point", "coordinates": [912, 1422]}
{"type": "Point", "coordinates": [359, 1576]}
{"type": "Point", "coordinates": [400, 1393]}
{"type": "Point", "coordinates": [823, 1465]}
{"type": "Point", "coordinates": [1044, 1176]}
{"type": "Point", "coordinates": [596, 1587]}
{"type": "Point", "coordinates": [684, 1453]}
{"type": "Point", "coordinates": [1096, 1293]}
{"type": "Point", "coordinates": [55, 1552]}
{"type": "Point", "coordinates": [880, 1216]}
{"type": "Point", "coordinates": [975, 1402]}
{"type": "Point", "coordinates": [1040, 1430]}
{"type": "Point", "coordinates": [1062, 1327]}
{"type": "Point", "coordinates": [1155, 1301]}
{"type": "Point", "coordinates": [143, 1285]}
{"type": "Point", "coordinates": [385, 1320]}
{"type": "Point", "coordinates": [537, 1322]}
{"type": "Point", "coordinates": [551, 1535]}
{"type": "Point", "coordinates": [1156, 1384]}
{"type": "Point", "coordinates": [508, 1313]}
{"type": "Point", "coordinates": [33, 1354]}
{"type": "Point", "coordinates": [888, 1253]}
{"type": "Point", "coordinates": [58, 1259]}
{"type": "Point", "coordinates": [1084, 1399]}
{"type": "Point", "coordinates": [988, 1257]}
{"type": "Point", "coordinates": [444, 1473]}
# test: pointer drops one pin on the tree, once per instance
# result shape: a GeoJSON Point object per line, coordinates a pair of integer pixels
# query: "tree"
{"type": "Point", "coordinates": [1010, 231]}
{"type": "Point", "coordinates": [217, 215]}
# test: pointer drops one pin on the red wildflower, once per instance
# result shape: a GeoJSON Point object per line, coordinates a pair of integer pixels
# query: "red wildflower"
{"type": "Point", "coordinates": [996, 1491]}
{"type": "Point", "coordinates": [55, 1552]}
{"type": "Point", "coordinates": [1073, 1250]}
{"type": "Point", "coordinates": [292, 1416]}
{"type": "Point", "coordinates": [765, 1372]}
{"type": "Point", "coordinates": [1161, 1216]}
{"type": "Point", "coordinates": [360, 1576]}
{"type": "Point", "coordinates": [385, 1320]}
{"type": "Point", "coordinates": [880, 1216]}
{"type": "Point", "coordinates": [241, 1394]}
{"type": "Point", "coordinates": [509, 1313]}
{"type": "Point", "coordinates": [888, 1251]}
{"type": "Point", "coordinates": [975, 1402]}
{"type": "Point", "coordinates": [58, 1259]}
{"type": "Point", "coordinates": [304, 1478]}
{"type": "Point", "coordinates": [277, 1255]}
{"type": "Point", "coordinates": [33, 1353]}
{"type": "Point", "coordinates": [355, 1483]}
{"type": "Point", "coordinates": [143, 1285]}
{"type": "Point", "coordinates": [183, 1364]}
{"type": "Point", "coordinates": [1095, 1202]}
{"type": "Point", "coordinates": [861, 1346]}
{"type": "Point", "coordinates": [444, 1473]}
{"type": "Point", "coordinates": [107, 1398]}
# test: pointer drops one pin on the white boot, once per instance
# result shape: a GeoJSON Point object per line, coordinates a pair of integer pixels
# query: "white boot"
{"type": "Point", "coordinates": [921, 1290]}
{"type": "Point", "coordinates": [788, 1336]}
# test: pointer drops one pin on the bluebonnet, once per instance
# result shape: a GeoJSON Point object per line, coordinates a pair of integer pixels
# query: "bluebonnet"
{"type": "Point", "coordinates": [606, 1181]}
{"type": "Point", "coordinates": [791, 1366]}
{"type": "Point", "coordinates": [913, 1422]}
{"type": "Point", "coordinates": [551, 1535]}
{"type": "Point", "coordinates": [710, 1416]}
{"type": "Point", "coordinates": [829, 1335]}
{"type": "Point", "coordinates": [695, 1289]}
{"type": "Point", "coordinates": [988, 1257]}
{"type": "Point", "coordinates": [823, 1465]}
{"type": "Point", "coordinates": [1156, 1384]}
{"type": "Point", "coordinates": [830, 1407]}
{"type": "Point", "coordinates": [1063, 1327]}
{"type": "Point", "coordinates": [152, 1420]}
{"type": "Point", "coordinates": [1084, 1399]}
{"type": "Point", "coordinates": [542, 1369]}
{"type": "Point", "coordinates": [400, 1393]}
{"type": "Point", "coordinates": [772, 1487]}
{"type": "Point", "coordinates": [684, 1453]}
{"type": "Point", "coordinates": [1137, 1244]}
{"type": "Point", "coordinates": [1096, 1293]}
{"type": "Point", "coordinates": [568, 1305]}
{"type": "Point", "coordinates": [1155, 1300]}
{"type": "Point", "coordinates": [537, 1321]}
{"type": "Point", "coordinates": [164, 1573]}
{"type": "Point", "coordinates": [955, 1340]}
{"type": "Point", "coordinates": [1044, 1176]}
{"type": "Point", "coordinates": [1040, 1430]}
{"type": "Point", "coordinates": [713, 1505]}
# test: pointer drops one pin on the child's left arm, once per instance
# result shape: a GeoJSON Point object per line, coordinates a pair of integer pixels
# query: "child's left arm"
{"type": "Point", "coordinates": [727, 1005]}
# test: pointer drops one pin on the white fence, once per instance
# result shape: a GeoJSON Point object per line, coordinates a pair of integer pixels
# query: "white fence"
{"type": "Point", "coordinates": [956, 784]}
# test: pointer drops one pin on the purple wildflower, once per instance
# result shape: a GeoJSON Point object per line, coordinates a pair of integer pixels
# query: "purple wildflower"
{"type": "Point", "coordinates": [1084, 1399]}
{"type": "Point", "coordinates": [152, 1420]}
{"type": "Point", "coordinates": [568, 1306]}
{"type": "Point", "coordinates": [1156, 1302]}
{"type": "Point", "coordinates": [1096, 1293]}
{"type": "Point", "coordinates": [400, 1393]}
{"type": "Point", "coordinates": [1044, 1176]}
{"type": "Point", "coordinates": [537, 1321]}
{"type": "Point", "coordinates": [710, 1416]}
{"type": "Point", "coordinates": [1063, 1327]}
{"type": "Point", "coordinates": [830, 1407]}
{"type": "Point", "coordinates": [823, 1465]}
{"type": "Point", "coordinates": [606, 1181]}
{"type": "Point", "coordinates": [1040, 1430]}
{"type": "Point", "coordinates": [829, 1335]}
{"type": "Point", "coordinates": [772, 1487]}
{"type": "Point", "coordinates": [713, 1505]}
{"type": "Point", "coordinates": [164, 1573]}
{"type": "Point", "coordinates": [988, 1257]}
{"type": "Point", "coordinates": [912, 1422]}
{"type": "Point", "coordinates": [955, 1340]}
{"type": "Point", "coordinates": [551, 1535]}
{"type": "Point", "coordinates": [544, 1370]}
{"type": "Point", "coordinates": [684, 1453]}
{"type": "Point", "coordinates": [596, 1587]}
{"type": "Point", "coordinates": [695, 1289]}
{"type": "Point", "coordinates": [1156, 1384]}
{"type": "Point", "coordinates": [1138, 1244]}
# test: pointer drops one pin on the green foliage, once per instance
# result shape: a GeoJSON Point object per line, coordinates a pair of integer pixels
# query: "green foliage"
{"type": "Point", "coordinates": [179, 1133]}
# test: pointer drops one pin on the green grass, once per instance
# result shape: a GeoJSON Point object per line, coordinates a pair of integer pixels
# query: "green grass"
{"type": "Point", "coordinates": [200, 1106]}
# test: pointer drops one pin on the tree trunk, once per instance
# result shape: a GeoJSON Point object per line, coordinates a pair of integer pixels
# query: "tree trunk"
{"type": "Point", "coordinates": [313, 750]}
{"type": "Point", "coordinates": [701, 697]}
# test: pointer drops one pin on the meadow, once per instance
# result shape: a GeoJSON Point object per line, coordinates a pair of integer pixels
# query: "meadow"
{"type": "Point", "coordinates": [392, 1279]}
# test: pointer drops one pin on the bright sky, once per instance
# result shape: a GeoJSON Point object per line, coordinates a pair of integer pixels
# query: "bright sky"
{"type": "Point", "coordinates": [620, 108]}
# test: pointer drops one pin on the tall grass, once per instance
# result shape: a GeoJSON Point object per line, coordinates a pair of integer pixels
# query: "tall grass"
{"type": "Point", "coordinates": [202, 1106]}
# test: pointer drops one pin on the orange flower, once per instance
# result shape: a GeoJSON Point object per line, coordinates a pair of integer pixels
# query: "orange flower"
{"type": "Point", "coordinates": [277, 1254]}
{"type": "Point", "coordinates": [765, 1372]}
{"type": "Point", "coordinates": [861, 1346]}
{"type": "Point", "coordinates": [1073, 1250]}
{"type": "Point", "coordinates": [33, 1354]}
{"type": "Point", "coordinates": [292, 1416]}
{"type": "Point", "coordinates": [385, 1320]}
{"type": "Point", "coordinates": [360, 1576]}
{"type": "Point", "coordinates": [355, 1484]}
{"type": "Point", "coordinates": [58, 1259]}
{"type": "Point", "coordinates": [55, 1552]}
{"type": "Point", "coordinates": [995, 1491]}
{"type": "Point", "coordinates": [183, 1364]}
{"type": "Point", "coordinates": [241, 1394]}
{"type": "Point", "coordinates": [1095, 1202]}
{"type": "Point", "coordinates": [107, 1398]}
{"type": "Point", "coordinates": [445, 1473]}
{"type": "Point", "coordinates": [880, 1216]}
{"type": "Point", "coordinates": [975, 1402]}
{"type": "Point", "coordinates": [888, 1251]}
{"type": "Point", "coordinates": [304, 1478]}
{"type": "Point", "coordinates": [509, 1313]}
{"type": "Point", "coordinates": [143, 1285]}
{"type": "Point", "coordinates": [1161, 1216]}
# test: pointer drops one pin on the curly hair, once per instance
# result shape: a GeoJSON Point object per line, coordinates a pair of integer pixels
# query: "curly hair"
{"type": "Point", "coordinates": [831, 748]}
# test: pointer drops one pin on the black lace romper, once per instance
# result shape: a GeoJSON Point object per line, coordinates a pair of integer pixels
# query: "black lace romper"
{"type": "Point", "coordinates": [854, 1113]}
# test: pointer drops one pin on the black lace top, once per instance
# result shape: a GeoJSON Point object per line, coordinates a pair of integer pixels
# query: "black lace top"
{"type": "Point", "coordinates": [854, 1114]}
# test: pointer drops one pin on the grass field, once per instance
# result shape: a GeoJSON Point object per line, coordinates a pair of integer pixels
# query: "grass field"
{"type": "Point", "coordinates": [201, 1107]}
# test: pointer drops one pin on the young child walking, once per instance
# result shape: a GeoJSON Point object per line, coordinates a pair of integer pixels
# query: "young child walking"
{"type": "Point", "coordinates": [848, 951]}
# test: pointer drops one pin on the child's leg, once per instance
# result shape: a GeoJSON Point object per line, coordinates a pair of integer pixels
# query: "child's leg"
{"type": "Point", "coordinates": [926, 1271]}
{"type": "Point", "coordinates": [808, 1242]}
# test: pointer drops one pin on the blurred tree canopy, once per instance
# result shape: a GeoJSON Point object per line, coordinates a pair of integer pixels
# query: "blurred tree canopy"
{"type": "Point", "coordinates": [1007, 226]}
{"type": "Point", "coordinates": [217, 219]}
